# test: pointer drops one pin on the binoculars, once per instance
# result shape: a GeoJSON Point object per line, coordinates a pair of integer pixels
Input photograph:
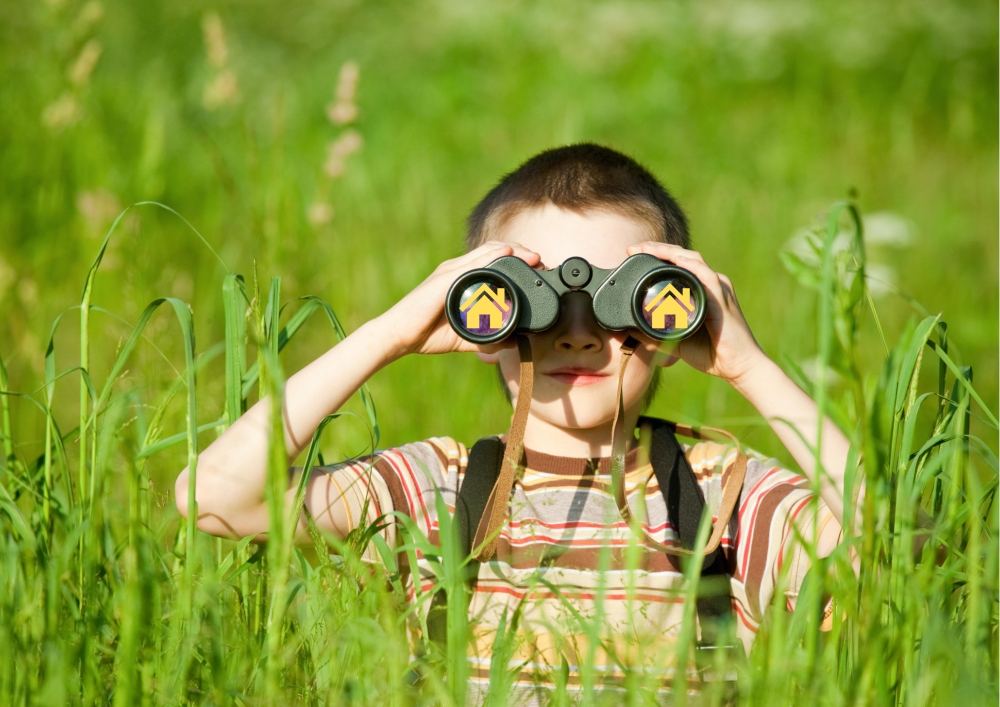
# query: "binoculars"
{"type": "Point", "coordinates": [664, 301]}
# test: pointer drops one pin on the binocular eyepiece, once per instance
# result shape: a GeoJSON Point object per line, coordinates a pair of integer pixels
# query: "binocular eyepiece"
{"type": "Point", "coordinates": [664, 301]}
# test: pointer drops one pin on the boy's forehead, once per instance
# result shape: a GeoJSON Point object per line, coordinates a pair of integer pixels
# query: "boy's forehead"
{"type": "Point", "coordinates": [600, 236]}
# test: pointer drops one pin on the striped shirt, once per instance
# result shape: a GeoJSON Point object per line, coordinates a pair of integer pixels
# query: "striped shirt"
{"type": "Point", "coordinates": [566, 561]}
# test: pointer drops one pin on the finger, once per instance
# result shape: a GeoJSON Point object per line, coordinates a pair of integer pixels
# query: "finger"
{"type": "Point", "coordinates": [526, 254]}
{"type": "Point", "coordinates": [727, 290]}
{"type": "Point", "coordinates": [663, 250]}
{"type": "Point", "coordinates": [490, 251]}
{"type": "Point", "coordinates": [729, 293]}
{"type": "Point", "coordinates": [482, 255]}
{"type": "Point", "coordinates": [511, 248]}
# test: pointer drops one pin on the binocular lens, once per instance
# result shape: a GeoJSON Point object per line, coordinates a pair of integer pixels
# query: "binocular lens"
{"type": "Point", "coordinates": [485, 310]}
{"type": "Point", "coordinates": [670, 306]}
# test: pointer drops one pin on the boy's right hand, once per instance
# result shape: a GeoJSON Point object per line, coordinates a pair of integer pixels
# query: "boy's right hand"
{"type": "Point", "coordinates": [417, 323]}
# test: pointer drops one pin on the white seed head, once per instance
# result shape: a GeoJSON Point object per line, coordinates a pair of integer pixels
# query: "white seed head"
{"type": "Point", "coordinates": [62, 112]}
{"type": "Point", "coordinates": [81, 69]}
{"type": "Point", "coordinates": [222, 90]}
{"type": "Point", "coordinates": [320, 213]}
{"type": "Point", "coordinates": [98, 207]}
{"type": "Point", "coordinates": [888, 229]}
{"type": "Point", "coordinates": [214, 35]}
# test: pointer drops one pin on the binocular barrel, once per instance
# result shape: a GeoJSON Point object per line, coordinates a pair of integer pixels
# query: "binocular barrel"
{"type": "Point", "coordinates": [664, 301]}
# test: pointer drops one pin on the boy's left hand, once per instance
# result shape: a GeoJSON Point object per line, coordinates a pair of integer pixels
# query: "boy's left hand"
{"type": "Point", "coordinates": [724, 346]}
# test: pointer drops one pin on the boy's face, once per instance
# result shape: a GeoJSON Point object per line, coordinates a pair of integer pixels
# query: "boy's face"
{"type": "Point", "coordinates": [583, 399]}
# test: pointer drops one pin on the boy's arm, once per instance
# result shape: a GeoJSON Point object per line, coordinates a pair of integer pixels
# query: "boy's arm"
{"type": "Point", "coordinates": [794, 417]}
{"type": "Point", "coordinates": [781, 401]}
{"type": "Point", "coordinates": [231, 473]}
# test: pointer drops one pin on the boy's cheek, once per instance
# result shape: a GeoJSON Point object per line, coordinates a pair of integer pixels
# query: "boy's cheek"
{"type": "Point", "coordinates": [510, 364]}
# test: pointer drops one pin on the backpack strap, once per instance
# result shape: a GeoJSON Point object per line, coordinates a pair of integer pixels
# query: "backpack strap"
{"type": "Point", "coordinates": [681, 493]}
{"type": "Point", "coordinates": [685, 503]}
{"type": "Point", "coordinates": [485, 461]}
{"type": "Point", "coordinates": [478, 487]}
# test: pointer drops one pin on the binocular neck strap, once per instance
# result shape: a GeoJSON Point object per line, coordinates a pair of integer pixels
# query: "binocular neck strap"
{"type": "Point", "coordinates": [619, 435]}
{"type": "Point", "coordinates": [484, 544]}
{"type": "Point", "coordinates": [619, 447]}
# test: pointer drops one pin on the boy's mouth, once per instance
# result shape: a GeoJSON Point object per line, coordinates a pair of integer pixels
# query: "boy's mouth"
{"type": "Point", "coordinates": [574, 375]}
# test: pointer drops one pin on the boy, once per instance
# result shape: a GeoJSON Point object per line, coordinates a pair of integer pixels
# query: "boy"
{"type": "Point", "coordinates": [588, 201]}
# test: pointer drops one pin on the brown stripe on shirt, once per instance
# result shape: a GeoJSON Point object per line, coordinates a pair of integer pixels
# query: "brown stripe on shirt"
{"type": "Point", "coordinates": [762, 537]}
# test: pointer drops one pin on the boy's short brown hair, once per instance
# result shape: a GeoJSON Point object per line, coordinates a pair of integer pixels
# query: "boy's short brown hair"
{"type": "Point", "coordinates": [579, 178]}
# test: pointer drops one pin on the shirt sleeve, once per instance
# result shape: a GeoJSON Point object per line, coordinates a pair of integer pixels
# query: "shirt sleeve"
{"type": "Point", "coordinates": [405, 479]}
{"type": "Point", "coordinates": [351, 495]}
{"type": "Point", "coordinates": [416, 473]}
{"type": "Point", "coordinates": [778, 512]}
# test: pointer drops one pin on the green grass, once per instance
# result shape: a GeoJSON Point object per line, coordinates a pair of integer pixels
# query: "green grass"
{"type": "Point", "coordinates": [124, 356]}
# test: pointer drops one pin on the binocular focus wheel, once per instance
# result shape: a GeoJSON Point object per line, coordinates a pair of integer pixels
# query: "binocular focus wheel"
{"type": "Point", "coordinates": [482, 306]}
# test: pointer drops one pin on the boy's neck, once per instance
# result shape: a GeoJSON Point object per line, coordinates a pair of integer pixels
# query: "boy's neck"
{"type": "Point", "coordinates": [543, 436]}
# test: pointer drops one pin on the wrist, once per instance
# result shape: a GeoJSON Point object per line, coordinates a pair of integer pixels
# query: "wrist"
{"type": "Point", "coordinates": [384, 338]}
{"type": "Point", "coordinates": [759, 370]}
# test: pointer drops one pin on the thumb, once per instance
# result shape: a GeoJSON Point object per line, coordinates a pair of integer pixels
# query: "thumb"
{"type": "Point", "coordinates": [670, 360]}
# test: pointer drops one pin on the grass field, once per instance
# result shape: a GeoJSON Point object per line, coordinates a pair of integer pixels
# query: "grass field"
{"type": "Point", "coordinates": [333, 150]}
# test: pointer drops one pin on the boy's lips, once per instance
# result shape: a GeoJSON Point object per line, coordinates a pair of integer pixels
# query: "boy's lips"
{"type": "Point", "coordinates": [575, 375]}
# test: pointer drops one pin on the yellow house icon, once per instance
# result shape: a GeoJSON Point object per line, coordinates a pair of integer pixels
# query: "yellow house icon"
{"type": "Point", "coordinates": [671, 303]}
{"type": "Point", "coordinates": [484, 302]}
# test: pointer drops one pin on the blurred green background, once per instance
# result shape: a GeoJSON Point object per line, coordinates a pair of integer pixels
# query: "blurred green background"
{"type": "Point", "coordinates": [340, 145]}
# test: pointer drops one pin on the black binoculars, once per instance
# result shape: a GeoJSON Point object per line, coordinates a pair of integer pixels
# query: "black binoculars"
{"type": "Point", "coordinates": [664, 301]}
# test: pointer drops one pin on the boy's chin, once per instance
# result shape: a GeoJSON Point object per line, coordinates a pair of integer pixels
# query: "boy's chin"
{"type": "Point", "coordinates": [570, 416]}
{"type": "Point", "coordinates": [579, 407]}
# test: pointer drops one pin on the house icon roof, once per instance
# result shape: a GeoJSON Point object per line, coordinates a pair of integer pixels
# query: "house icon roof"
{"type": "Point", "coordinates": [484, 289]}
{"type": "Point", "coordinates": [683, 299]}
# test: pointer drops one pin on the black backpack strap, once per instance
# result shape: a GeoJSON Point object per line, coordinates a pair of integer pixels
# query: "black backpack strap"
{"type": "Point", "coordinates": [685, 507]}
{"type": "Point", "coordinates": [681, 491]}
{"type": "Point", "coordinates": [481, 474]}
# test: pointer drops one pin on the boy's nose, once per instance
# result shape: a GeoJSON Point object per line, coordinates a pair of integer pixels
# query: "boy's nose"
{"type": "Point", "coordinates": [577, 330]}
